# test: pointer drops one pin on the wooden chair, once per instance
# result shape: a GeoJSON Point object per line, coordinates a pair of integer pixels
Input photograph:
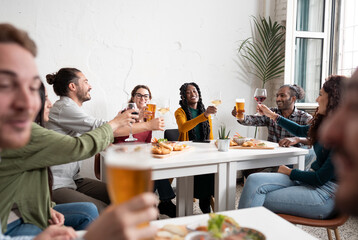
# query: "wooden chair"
{"type": "Point", "coordinates": [329, 224]}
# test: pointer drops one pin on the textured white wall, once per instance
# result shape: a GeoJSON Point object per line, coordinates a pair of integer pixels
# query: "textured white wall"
{"type": "Point", "coordinates": [118, 44]}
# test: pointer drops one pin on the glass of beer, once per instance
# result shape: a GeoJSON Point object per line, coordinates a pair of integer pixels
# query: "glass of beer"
{"type": "Point", "coordinates": [152, 106]}
{"type": "Point", "coordinates": [129, 172]}
{"type": "Point", "coordinates": [240, 108]}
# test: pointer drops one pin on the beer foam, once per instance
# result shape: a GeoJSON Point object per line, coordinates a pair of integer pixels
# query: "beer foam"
{"type": "Point", "coordinates": [240, 100]}
{"type": "Point", "coordinates": [134, 156]}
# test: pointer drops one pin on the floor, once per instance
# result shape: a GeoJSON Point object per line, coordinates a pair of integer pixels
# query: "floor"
{"type": "Point", "coordinates": [348, 231]}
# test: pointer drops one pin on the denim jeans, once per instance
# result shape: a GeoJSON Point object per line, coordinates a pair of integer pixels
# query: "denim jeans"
{"type": "Point", "coordinates": [77, 215]}
{"type": "Point", "coordinates": [278, 193]}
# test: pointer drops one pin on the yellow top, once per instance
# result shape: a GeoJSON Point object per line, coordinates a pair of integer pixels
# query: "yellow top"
{"type": "Point", "coordinates": [184, 126]}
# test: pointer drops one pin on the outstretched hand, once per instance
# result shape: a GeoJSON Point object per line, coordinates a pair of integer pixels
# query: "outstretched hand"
{"type": "Point", "coordinates": [121, 221]}
{"type": "Point", "coordinates": [210, 110]}
{"type": "Point", "coordinates": [157, 124]}
{"type": "Point", "coordinates": [55, 232]}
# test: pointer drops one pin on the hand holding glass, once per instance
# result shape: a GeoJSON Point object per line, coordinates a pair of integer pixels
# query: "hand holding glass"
{"type": "Point", "coordinates": [240, 108]}
{"type": "Point", "coordinates": [128, 171]}
{"type": "Point", "coordinates": [131, 138]}
{"type": "Point", "coordinates": [152, 106]}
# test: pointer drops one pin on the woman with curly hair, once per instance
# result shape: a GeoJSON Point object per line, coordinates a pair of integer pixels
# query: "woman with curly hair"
{"type": "Point", "coordinates": [194, 124]}
{"type": "Point", "coordinates": [291, 191]}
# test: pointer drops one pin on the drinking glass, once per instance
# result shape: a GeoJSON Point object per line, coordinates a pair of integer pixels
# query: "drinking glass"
{"type": "Point", "coordinates": [216, 101]}
{"type": "Point", "coordinates": [260, 95]}
{"type": "Point", "coordinates": [151, 107]}
{"type": "Point", "coordinates": [131, 138]}
{"type": "Point", "coordinates": [164, 106]}
{"type": "Point", "coordinates": [129, 172]}
{"type": "Point", "coordinates": [240, 108]}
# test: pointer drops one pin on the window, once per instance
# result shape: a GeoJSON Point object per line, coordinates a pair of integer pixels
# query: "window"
{"type": "Point", "coordinates": [348, 38]}
{"type": "Point", "coordinates": [307, 45]}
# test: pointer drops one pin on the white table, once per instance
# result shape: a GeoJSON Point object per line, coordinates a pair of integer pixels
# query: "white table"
{"type": "Point", "coordinates": [259, 218]}
{"type": "Point", "coordinates": [204, 158]}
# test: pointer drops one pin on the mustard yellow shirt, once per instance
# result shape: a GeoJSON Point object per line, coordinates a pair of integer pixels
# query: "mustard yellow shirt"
{"type": "Point", "coordinates": [184, 126]}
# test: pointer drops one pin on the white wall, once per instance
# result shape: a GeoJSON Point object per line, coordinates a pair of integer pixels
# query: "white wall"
{"type": "Point", "coordinates": [118, 44]}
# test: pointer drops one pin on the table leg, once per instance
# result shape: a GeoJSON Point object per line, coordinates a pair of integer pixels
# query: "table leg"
{"type": "Point", "coordinates": [189, 195]}
{"type": "Point", "coordinates": [181, 196]}
{"type": "Point", "coordinates": [300, 162]}
{"type": "Point", "coordinates": [220, 187]}
{"type": "Point", "coordinates": [231, 186]}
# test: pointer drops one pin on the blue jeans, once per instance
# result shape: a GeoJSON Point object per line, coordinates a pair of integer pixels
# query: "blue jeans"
{"type": "Point", "coordinates": [77, 215]}
{"type": "Point", "coordinates": [280, 194]}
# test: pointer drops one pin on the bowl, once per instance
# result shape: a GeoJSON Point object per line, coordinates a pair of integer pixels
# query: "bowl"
{"type": "Point", "coordinates": [240, 140]}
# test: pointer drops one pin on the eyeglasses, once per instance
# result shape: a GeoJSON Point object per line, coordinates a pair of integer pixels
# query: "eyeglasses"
{"type": "Point", "coordinates": [138, 95]}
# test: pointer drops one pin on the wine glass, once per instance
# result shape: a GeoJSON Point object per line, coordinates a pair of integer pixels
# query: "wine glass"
{"type": "Point", "coordinates": [131, 138]}
{"type": "Point", "coordinates": [216, 100]}
{"type": "Point", "coordinates": [163, 106]}
{"type": "Point", "coordinates": [260, 95]}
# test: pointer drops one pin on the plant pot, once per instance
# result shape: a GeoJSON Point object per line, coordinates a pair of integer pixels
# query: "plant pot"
{"type": "Point", "coordinates": [223, 145]}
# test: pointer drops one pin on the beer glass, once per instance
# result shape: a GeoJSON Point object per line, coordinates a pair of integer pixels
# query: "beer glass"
{"type": "Point", "coordinates": [152, 106]}
{"type": "Point", "coordinates": [240, 108]}
{"type": "Point", "coordinates": [129, 172]}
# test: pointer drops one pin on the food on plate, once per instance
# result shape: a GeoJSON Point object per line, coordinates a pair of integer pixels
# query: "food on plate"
{"type": "Point", "coordinates": [219, 225]}
{"type": "Point", "coordinates": [248, 144]}
{"type": "Point", "coordinates": [166, 145]}
{"type": "Point", "coordinates": [233, 143]}
{"type": "Point", "coordinates": [160, 150]}
{"type": "Point", "coordinates": [171, 232]}
{"type": "Point", "coordinates": [163, 147]}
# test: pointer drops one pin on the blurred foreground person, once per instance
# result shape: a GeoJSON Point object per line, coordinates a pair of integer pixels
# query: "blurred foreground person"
{"type": "Point", "coordinates": [19, 104]}
{"type": "Point", "coordinates": [340, 132]}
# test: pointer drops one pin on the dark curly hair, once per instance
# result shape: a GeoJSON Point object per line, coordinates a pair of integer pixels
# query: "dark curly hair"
{"type": "Point", "coordinates": [204, 126]}
{"type": "Point", "coordinates": [295, 90]}
{"type": "Point", "coordinates": [333, 87]}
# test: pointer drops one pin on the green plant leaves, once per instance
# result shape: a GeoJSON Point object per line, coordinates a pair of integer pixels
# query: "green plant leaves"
{"type": "Point", "coordinates": [222, 132]}
{"type": "Point", "coordinates": [265, 51]}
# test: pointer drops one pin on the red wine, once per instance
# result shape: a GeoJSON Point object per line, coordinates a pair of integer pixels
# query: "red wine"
{"type": "Point", "coordinates": [260, 99]}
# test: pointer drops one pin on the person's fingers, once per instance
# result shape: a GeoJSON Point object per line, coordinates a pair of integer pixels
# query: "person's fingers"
{"type": "Point", "coordinates": [142, 200]}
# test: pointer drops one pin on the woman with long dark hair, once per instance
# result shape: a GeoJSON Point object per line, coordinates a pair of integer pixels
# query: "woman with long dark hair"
{"type": "Point", "coordinates": [194, 124]}
{"type": "Point", "coordinates": [291, 191]}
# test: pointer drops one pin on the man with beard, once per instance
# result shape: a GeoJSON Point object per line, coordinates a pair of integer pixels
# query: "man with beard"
{"type": "Point", "coordinates": [68, 117]}
{"type": "Point", "coordinates": [286, 98]}
{"type": "Point", "coordinates": [340, 132]}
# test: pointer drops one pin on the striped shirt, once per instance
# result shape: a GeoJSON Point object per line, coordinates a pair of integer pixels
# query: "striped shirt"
{"type": "Point", "coordinates": [275, 132]}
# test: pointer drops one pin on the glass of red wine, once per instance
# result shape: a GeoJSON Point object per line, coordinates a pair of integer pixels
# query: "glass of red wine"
{"type": "Point", "coordinates": [260, 95]}
{"type": "Point", "coordinates": [131, 138]}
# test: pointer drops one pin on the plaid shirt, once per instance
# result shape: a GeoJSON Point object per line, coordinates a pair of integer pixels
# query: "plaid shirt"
{"type": "Point", "coordinates": [275, 132]}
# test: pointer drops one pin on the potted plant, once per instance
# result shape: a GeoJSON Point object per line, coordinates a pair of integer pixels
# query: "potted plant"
{"type": "Point", "coordinates": [265, 50]}
{"type": "Point", "coordinates": [224, 140]}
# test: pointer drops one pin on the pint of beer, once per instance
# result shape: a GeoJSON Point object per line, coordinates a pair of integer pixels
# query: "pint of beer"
{"type": "Point", "coordinates": [151, 108]}
{"type": "Point", "coordinates": [240, 108]}
{"type": "Point", "coordinates": [128, 171]}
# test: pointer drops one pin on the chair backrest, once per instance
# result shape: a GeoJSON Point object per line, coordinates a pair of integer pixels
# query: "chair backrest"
{"type": "Point", "coordinates": [171, 134]}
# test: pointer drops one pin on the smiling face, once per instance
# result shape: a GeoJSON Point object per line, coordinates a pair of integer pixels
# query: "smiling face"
{"type": "Point", "coordinates": [83, 88]}
{"type": "Point", "coordinates": [47, 107]}
{"type": "Point", "coordinates": [141, 98]}
{"type": "Point", "coordinates": [19, 95]}
{"type": "Point", "coordinates": [284, 100]}
{"type": "Point", "coordinates": [340, 131]}
{"type": "Point", "coordinates": [322, 101]}
{"type": "Point", "coordinates": [192, 96]}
